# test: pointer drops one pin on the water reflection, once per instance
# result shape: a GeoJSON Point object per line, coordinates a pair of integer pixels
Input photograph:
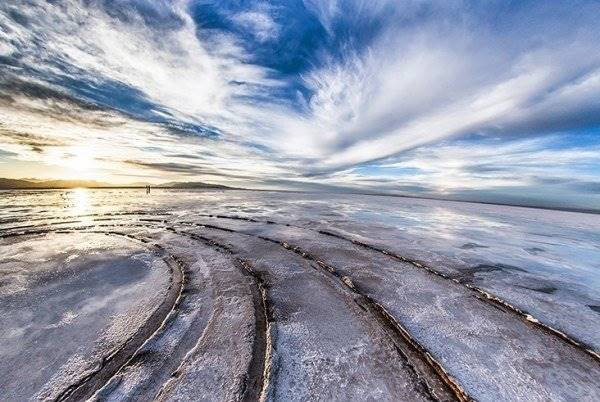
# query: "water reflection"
{"type": "Point", "coordinates": [79, 201]}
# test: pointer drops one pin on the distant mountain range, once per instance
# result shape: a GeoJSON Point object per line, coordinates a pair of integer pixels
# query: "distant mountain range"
{"type": "Point", "coordinates": [24, 184]}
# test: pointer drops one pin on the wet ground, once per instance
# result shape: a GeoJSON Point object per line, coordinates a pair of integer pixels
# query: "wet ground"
{"type": "Point", "coordinates": [231, 295]}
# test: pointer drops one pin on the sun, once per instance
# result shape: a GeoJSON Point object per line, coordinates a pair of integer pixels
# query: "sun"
{"type": "Point", "coordinates": [78, 162]}
{"type": "Point", "coordinates": [81, 162]}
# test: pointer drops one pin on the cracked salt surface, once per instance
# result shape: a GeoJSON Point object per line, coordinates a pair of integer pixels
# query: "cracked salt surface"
{"type": "Point", "coordinates": [323, 343]}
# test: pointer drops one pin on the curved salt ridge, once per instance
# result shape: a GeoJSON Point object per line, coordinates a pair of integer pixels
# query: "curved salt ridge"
{"type": "Point", "coordinates": [387, 361]}
{"type": "Point", "coordinates": [111, 363]}
{"type": "Point", "coordinates": [541, 389]}
{"type": "Point", "coordinates": [416, 264]}
{"type": "Point", "coordinates": [527, 316]}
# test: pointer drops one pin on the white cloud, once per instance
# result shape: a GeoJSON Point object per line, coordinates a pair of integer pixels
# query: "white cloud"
{"type": "Point", "coordinates": [491, 164]}
{"type": "Point", "coordinates": [172, 67]}
{"type": "Point", "coordinates": [260, 23]}
{"type": "Point", "coordinates": [417, 87]}
{"type": "Point", "coordinates": [414, 84]}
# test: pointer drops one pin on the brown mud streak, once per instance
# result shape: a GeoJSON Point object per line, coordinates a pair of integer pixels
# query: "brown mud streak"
{"type": "Point", "coordinates": [113, 362]}
{"type": "Point", "coordinates": [488, 297]}
{"type": "Point", "coordinates": [438, 384]}
{"type": "Point", "coordinates": [257, 380]}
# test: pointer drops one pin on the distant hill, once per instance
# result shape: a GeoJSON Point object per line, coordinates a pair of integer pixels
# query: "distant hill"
{"type": "Point", "coordinates": [25, 184]}
{"type": "Point", "coordinates": [192, 184]}
{"type": "Point", "coordinates": [6, 184]}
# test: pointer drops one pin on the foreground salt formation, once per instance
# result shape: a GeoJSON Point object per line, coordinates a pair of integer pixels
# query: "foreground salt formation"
{"type": "Point", "coordinates": [266, 296]}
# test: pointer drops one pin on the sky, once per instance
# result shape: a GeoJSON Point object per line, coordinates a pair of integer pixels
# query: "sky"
{"type": "Point", "coordinates": [493, 100]}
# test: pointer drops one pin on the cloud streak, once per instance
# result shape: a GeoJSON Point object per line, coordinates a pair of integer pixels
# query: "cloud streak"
{"type": "Point", "coordinates": [313, 93]}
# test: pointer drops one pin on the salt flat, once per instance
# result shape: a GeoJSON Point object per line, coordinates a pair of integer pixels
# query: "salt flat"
{"type": "Point", "coordinates": [227, 295]}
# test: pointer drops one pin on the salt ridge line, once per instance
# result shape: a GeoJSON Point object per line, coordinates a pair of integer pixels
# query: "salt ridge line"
{"type": "Point", "coordinates": [112, 363]}
{"type": "Point", "coordinates": [488, 297]}
{"type": "Point", "coordinates": [258, 387]}
{"type": "Point", "coordinates": [375, 311]}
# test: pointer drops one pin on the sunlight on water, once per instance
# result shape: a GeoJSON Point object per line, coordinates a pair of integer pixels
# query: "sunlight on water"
{"type": "Point", "coordinates": [79, 200]}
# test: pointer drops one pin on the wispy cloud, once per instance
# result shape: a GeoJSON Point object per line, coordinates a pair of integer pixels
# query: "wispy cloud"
{"type": "Point", "coordinates": [305, 91]}
{"type": "Point", "coordinates": [259, 23]}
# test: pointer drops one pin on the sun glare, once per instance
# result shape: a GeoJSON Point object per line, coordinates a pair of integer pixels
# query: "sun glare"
{"type": "Point", "coordinates": [83, 163]}
{"type": "Point", "coordinates": [79, 201]}
{"type": "Point", "coordinates": [79, 162]}
{"type": "Point", "coordinates": [83, 160]}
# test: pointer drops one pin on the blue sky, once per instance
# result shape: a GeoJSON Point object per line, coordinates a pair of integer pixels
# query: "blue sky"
{"type": "Point", "coordinates": [493, 100]}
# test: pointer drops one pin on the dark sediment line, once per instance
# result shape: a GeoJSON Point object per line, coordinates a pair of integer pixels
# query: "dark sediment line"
{"type": "Point", "coordinates": [421, 361]}
{"type": "Point", "coordinates": [256, 383]}
{"type": "Point", "coordinates": [114, 361]}
{"type": "Point", "coordinates": [143, 356]}
{"type": "Point", "coordinates": [487, 296]}
{"type": "Point", "coordinates": [436, 382]}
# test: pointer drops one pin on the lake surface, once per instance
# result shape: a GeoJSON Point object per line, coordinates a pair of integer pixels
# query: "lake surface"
{"type": "Point", "coordinates": [544, 264]}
